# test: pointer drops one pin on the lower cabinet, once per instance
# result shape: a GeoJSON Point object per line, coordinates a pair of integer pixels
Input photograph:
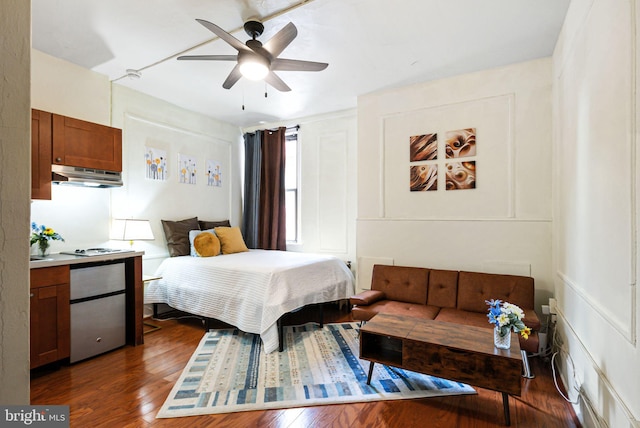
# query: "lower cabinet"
{"type": "Point", "coordinates": [50, 315]}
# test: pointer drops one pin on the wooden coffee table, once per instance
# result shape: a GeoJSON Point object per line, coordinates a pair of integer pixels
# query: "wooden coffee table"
{"type": "Point", "coordinates": [446, 350]}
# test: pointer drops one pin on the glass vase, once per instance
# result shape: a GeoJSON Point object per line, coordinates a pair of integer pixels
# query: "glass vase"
{"type": "Point", "coordinates": [500, 341]}
{"type": "Point", "coordinates": [43, 248]}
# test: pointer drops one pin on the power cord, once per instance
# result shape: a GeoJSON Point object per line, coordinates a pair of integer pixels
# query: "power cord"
{"type": "Point", "coordinates": [180, 318]}
{"type": "Point", "coordinates": [555, 377]}
{"type": "Point", "coordinates": [555, 349]}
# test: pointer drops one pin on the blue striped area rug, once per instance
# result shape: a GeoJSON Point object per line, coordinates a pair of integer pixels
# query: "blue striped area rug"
{"type": "Point", "coordinates": [229, 372]}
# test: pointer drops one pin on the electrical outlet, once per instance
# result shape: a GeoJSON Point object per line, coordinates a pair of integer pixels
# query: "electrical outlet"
{"type": "Point", "coordinates": [545, 310]}
{"type": "Point", "coordinates": [553, 306]}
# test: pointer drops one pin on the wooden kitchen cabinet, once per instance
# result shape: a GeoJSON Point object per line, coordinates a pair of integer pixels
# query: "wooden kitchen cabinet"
{"type": "Point", "coordinates": [85, 144]}
{"type": "Point", "coordinates": [50, 315]}
{"type": "Point", "coordinates": [41, 122]}
{"type": "Point", "coordinates": [61, 140]}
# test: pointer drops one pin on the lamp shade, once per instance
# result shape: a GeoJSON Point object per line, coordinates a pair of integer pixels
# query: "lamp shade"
{"type": "Point", "coordinates": [131, 230]}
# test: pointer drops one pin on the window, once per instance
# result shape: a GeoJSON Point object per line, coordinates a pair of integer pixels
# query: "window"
{"type": "Point", "coordinates": [291, 183]}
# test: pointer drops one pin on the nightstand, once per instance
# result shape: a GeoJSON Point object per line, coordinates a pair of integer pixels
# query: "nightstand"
{"type": "Point", "coordinates": [148, 327]}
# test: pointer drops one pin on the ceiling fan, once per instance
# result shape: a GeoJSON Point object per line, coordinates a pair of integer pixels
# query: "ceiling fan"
{"type": "Point", "coordinates": [256, 61]}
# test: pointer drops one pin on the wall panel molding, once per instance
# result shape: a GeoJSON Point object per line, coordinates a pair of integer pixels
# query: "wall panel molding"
{"type": "Point", "coordinates": [497, 156]}
{"type": "Point", "coordinates": [627, 332]}
{"type": "Point", "coordinates": [332, 193]}
{"type": "Point", "coordinates": [601, 375]}
{"type": "Point", "coordinates": [466, 219]}
{"type": "Point", "coordinates": [227, 181]}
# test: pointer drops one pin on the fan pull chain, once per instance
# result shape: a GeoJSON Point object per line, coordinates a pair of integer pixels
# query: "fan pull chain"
{"type": "Point", "coordinates": [265, 89]}
{"type": "Point", "coordinates": [243, 99]}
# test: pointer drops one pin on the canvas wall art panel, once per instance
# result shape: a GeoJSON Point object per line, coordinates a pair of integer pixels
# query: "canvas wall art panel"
{"type": "Point", "coordinates": [423, 147]}
{"type": "Point", "coordinates": [155, 161]}
{"type": "Point", "coordinates": [460, 143]}
{"type": "Point", "coordinates": [187, 169]}
{"type": "Point", "coordinates": [461, 175]}
{"type": "Point", "coordinates": [423, 178]}
{"type": "Point", "coordinates": [214, 173]}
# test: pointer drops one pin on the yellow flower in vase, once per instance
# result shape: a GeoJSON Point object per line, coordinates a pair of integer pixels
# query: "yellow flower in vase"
{"type": "Point", "coordinates": [42, 236]}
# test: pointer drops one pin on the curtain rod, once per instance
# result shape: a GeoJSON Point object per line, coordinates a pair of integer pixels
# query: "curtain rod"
{"type": "Point", "coordinates": [287, 129]}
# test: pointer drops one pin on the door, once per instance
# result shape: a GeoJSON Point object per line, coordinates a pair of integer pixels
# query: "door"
{"type": "Point", "coordinates": [49, 324]}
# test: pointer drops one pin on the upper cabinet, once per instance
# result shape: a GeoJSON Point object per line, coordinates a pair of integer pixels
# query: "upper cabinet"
{"type": "Point", "coordinates": [85, 144]}
{"type": "Point", "coordinates": [40, 154]}
{"type": "Point", "coordinates": [61, 140]}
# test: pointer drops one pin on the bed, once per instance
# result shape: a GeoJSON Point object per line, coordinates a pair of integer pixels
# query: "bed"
{"type": "Point", "coordinates": [250, 290]}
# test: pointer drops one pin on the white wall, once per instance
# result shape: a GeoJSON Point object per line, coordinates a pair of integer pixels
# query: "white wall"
{"type": "Point", "coordinates": [15, 167]}
{"type": "Point", "coordinates": [62, 87]}
{"type": "Point", "coordinates": [502, 226]}
{"type": "Point", "coordinates": [80, 215]}
{"type": "Point", "coordinates": [595, 247]}
{"type": "Point", "coordinates": [151, 123]}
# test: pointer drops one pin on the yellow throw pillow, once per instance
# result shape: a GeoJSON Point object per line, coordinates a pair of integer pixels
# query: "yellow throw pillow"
{"type": "Point", "coordinates": [206, 244]}
{"type": "Point", "coordinates": [231, 240]}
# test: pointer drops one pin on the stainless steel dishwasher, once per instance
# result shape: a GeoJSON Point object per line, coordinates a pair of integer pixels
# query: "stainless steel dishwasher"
{"type": "Point", "coordinates": [98, 308]}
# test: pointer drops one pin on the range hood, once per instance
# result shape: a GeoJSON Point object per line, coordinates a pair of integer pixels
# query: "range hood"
{"type": "Point", "coordinates": [88, 177]}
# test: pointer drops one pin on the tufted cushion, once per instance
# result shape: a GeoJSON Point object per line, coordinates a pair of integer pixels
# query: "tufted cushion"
{"type": "Point", "coordinates": [477, 287]}
{"type": "Point", "coordinates": [365, 313]}
{"type": "Point", "coordinates": [400, 283]}
{"type": "Point", "coordinates": [443, 288]}
{"type": "Point", "coordinates": [192, 236]}
{"type": "Point", "coordinates": [206, 244]}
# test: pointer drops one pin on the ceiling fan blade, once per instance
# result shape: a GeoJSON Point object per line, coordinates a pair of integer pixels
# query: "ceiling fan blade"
{"type": "Point", "coordinates": [209, 57]}
{"type": "Point", "coordinates": [281, 40]}
{"type": "Point", "coordinates": [233, 77]}
{"type": "Point", "coordinates": [276, 82]}
{"type": "Point", "coordinates": [282, 64]}
{"type": "Point", "coordinates": [224, 35]}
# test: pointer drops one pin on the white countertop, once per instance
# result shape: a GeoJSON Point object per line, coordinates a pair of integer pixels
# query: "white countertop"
{"type": "Point", "coordinates": [68, 259]}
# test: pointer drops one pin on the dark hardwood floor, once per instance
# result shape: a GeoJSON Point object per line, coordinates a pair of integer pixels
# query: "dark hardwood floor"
{"type": "Point", "coordinates": [126, 388]}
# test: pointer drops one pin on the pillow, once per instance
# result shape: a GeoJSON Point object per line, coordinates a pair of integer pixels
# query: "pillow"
{"type": "Point", "coordinates": [231, 240]}
{"type": "Point", "coordinates": [192, 236]}
{"type": "Point", "coordinates": [177, 234]}
{"type": "Point", "coordinates": [213, 224]}
{"type": "Point", "coordinates": [206, 244]}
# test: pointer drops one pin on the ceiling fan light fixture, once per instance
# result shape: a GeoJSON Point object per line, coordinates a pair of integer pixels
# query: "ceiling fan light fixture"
{"type": "Point", "coordinates": [254, 69]}
{"type": "Point", "coordinates": [256, 61]}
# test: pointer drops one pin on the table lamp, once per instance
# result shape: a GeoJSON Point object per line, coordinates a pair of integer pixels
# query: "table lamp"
{"type": "Point", "coordinates": [131, 230]}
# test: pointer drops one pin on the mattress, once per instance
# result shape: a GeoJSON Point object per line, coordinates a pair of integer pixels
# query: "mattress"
{"type": "Point", "coordinates": [250, 290]}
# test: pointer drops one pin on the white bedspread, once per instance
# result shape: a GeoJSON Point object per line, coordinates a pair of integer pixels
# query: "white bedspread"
{"type": "Point", "coordinates": [250, 290]}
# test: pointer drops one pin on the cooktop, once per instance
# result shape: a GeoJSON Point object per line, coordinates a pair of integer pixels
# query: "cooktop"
{"type": "Point", "coordinates": [88, 252]}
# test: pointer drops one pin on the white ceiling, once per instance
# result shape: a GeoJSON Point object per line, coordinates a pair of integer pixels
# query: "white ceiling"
{"type": "Point", "coordinates": [369, 45]}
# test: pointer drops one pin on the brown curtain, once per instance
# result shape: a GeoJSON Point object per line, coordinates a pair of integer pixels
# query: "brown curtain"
{"type": "Point", "coordinates": [272, 230]}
